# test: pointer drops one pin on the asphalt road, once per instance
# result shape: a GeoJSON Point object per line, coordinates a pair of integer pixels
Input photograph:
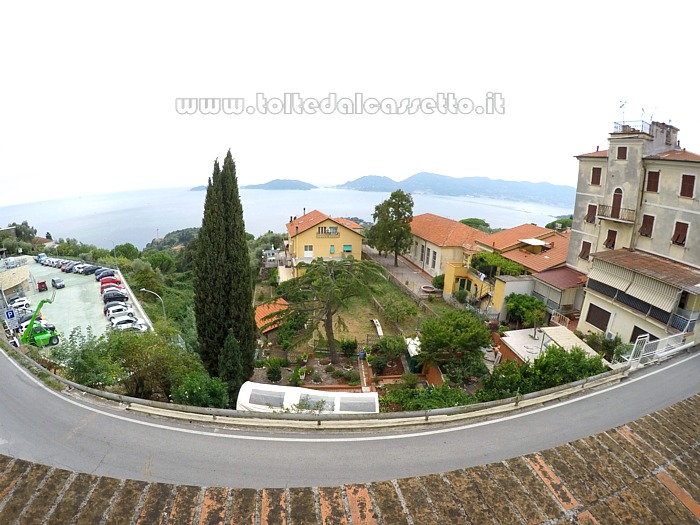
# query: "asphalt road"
{"type": "Point", "coordinates": [65, 431]}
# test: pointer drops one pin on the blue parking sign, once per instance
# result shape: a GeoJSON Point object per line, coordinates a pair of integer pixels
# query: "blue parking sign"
{"type": "Point", "coordinates": [9, 315]}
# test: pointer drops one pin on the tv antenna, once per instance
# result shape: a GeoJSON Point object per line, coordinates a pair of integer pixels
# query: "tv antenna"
{"type": "Point", "coordinates": [622, 107]}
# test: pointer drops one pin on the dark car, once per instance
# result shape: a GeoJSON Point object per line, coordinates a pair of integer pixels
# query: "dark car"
{"type": "Point", "coordinates": [58, 283]}
{"type": "Point", "coordinates": [114, 296]}
{"type": "Point", "coordinates": [91, 269]}
{"type": "Point", "coordinates": [108, 272]}
{"type": "Point", "coordinates": [69, 267]}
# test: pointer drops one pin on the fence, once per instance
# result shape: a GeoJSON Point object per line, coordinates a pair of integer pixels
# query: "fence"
{"type": "Point", "coordinates": [645, 352]}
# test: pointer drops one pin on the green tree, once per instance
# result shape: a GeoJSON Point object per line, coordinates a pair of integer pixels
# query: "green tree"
{"type": "Point", "coordinates": [522, 308]}
{"type": "Point", "coordinates": [161, 261]}
{"type": "Point", "coordinates": [222, 282]}
{"type": "Point", "coordinates": [399, 309]}
{"type": "Point", "coordinates": [564, 223]}
{"type": "Point", "coordinates": [23, 232]}
{"type": "Point", "coordinates": [391, 232]}
{"type": "Point", "coordinates": [454, 332]}
{"type": "Point", "coordinates": [478, 224]}
{"type": "Point", "coordinates": [127, 250]}
{"type": "Point", "coordinates": [330, 283]}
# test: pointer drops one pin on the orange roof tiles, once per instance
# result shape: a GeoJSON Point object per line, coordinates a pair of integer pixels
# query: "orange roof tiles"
{"type": "Point", "coordinates": [562, 278]}
{"type": "Point", "coordinates": [602, 153]}
{"type": "Point", "coordinates": [509, 238]}
{"type": "Point", "coordinates": [444, 232]}
{"type": "Point", "coordinates": [550, 258]}
{"type": "Point", "coordinates": [263, 310]}
{"type": "Point", "coordinates": [675, 154]}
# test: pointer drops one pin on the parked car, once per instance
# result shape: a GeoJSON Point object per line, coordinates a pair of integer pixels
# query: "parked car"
{"type": "Point", "coordinates": [108, 272]}
{"type": "Point", "coordinates": [120, 311]}
{"type": "Point", "coordinates": [109, 305]}
{"type": "Point", "coordinates": [136, 327]}
{"type": "Point", "coordinates": [107, 279]}
{"type": "Point", "coordinates": [125, 320]}
{"type": "Point", "coordinates": [110, 288]}
{"type": "Point", "coordinates": [19, 302]}
{"type": "Point", "coordinates": [115, 295]}
{"type": "Point", "coordinates": [57, 283]}
{"type": "Point", "coordinates": [79, 267]}
{"type": "Point", "coordinates": [89, 270]}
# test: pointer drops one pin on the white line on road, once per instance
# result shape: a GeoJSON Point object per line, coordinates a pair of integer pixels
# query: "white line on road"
{"type": "Point", "coordinates": [346, 439]}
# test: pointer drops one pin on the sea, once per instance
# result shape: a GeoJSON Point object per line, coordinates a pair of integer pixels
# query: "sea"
{"type": "Point", "coordinates": [139, 217]}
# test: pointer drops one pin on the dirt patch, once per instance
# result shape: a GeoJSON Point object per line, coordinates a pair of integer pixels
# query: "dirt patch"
{"type": "Point", "coordinates": [314, 370]}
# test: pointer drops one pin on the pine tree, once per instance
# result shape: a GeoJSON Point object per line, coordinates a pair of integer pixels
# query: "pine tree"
{"type": "Point", "coordinates": [222, 280]}
{"type": "Point", "coordinates": [391, 232]}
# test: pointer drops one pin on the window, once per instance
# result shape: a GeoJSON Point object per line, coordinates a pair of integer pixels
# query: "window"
{"type": "Point", "coordinates": [422, 253]}
{"type": "Point", "coordinates": [591, 214]}
{"type": "Point", "coordinates": [595, 176]}
{"type": "Point", "coordinates": [308, 250]}
{"type": "Point", "coordinates": [653, 181]}
{"type": "Point", "coordinates": [680, 232]}
{"type": "Point", "coordinates": [347, 248]}
{"type": "Point", "coordinates": [332, 250]}
{"type": "Point", "coordinates": [598, 317]}
{"type": "Point", "coordinates": [622, 153]}
{"type": "Point", "coordinates": [434, 259]}
{"type": "Point", "coordinates": [688, 186]}
{"type": "Point", "coordinates": [647, 225]}
{"type": "Point", "coordinates": [585, 250]}
{"type": "Point", "coordinates": [427, 256]}
{"type": "Point", "coordinates": [610, 239]}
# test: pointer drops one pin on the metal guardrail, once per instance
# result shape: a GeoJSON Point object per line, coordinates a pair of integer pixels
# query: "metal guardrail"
{"type": "Point", "coordinates": [346, 421]}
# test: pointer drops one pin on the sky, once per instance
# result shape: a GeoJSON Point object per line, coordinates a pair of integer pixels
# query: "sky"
{"type": "Point", "coordinates": [90, 89]}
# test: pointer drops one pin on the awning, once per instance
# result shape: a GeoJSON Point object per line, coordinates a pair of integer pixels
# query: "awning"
{"type": "Point", "coordinates": [611, 274]}
{"type": "Point", "coordinates": [654, 292]}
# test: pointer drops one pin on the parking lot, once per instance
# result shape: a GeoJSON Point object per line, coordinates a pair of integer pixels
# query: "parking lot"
{"type": "Point", "coordinates": [78, 304]}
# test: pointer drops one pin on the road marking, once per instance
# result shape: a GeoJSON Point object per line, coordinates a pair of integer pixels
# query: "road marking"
{"type": "Point", "coordinates": [344, 439]}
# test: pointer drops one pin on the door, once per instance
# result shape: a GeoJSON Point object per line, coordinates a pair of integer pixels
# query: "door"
{"type": "Point", "coordinates": [617, 204]}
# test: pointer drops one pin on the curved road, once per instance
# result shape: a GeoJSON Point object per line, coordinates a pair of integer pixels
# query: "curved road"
{"type": "Point", "coordinates": [61, 430]}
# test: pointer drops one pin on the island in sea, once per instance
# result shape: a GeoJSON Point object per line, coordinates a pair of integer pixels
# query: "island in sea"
{"type": "Point", "coordinates": [281, 184]}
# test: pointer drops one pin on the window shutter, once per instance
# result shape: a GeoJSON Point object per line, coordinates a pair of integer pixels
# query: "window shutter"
{"type": "Point", "coordinates": [595, 176]}
{"type": "Point", "coordinates": [622, 153]}
{"type": "Point", "coordinates": [653, 181]}
{"type": "Point", "coordinates": [688, 186]}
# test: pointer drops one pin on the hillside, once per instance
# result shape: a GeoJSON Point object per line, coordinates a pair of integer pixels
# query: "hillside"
{"type": "Point", "coordinates": [280, 184]}
{"type": "Point", "coordinates": [423, 182]}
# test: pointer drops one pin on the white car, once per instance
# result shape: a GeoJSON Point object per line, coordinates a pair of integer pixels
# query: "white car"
{"type": "Point", "coordinates": [120, 310]}
{"type": "Point", "coordinates": [125, 321]}
{"type": "Point", "coordinates": [19, 303]}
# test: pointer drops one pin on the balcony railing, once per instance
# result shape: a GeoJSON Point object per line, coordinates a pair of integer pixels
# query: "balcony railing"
{"type": "Point", "coordinates": [327, 235]}
{"type": "Point", "coordinates": [633, 126]}
{"type": "Point", "coordinates": [606, 211]}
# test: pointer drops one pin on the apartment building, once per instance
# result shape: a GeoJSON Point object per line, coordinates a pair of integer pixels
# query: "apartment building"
{"type": "Point", "coordinates": [636, 234]}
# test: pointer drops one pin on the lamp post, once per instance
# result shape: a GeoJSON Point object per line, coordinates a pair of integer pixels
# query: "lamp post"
{"type": "Point", "coordinates": [161, 301]}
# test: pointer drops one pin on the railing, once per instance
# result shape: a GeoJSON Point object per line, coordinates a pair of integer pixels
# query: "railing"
{"type": "Point", "coordinates": [632, 126]}
{"type": "Point", "coordinates": [682, 324]}
{"type": "Point", "coordinates": [623, 214]}
{"type": "Point", "coordinates": [646, 352]}
{"type": "Point", "coordinates": [327, 235]}
{"type": "Point", "coordinates": [560, 319]}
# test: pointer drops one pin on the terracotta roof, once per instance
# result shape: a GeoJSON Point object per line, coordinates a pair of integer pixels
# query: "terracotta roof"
{"type": "Point", "coordinates": [266, 325]}
{"type": "Point", "coordinates": [550, 258]}
{"type": "Point", "coordinates": [675, 154]}
{"type": "Point", "coordinates": [444, 232]}
{"type": "Point", "coordinates": [314, 218]}
{"type": "Point", "coordinates": [347, 223]}
{"type": "Point", "coordinates": [562, 278]}
{"type": "Point", "coordinates": [41, 240]}
{"type": "Point", "coordinates": [659, 268]}
{"type": "Point", "coordinates": [603, 153]}
{"type": "Point", "coordinates": [512, 236]}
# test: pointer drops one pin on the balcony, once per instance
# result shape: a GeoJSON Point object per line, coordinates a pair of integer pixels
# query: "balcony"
{"type": "Point", "coordinates": [624, 215]}
{"type": "Point", "coordinates": [633, 126]}
{"type": "Point", "coordinates": [327, 235]}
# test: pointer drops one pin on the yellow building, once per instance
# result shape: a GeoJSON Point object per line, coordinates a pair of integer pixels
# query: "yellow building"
{"type": "Point", "coordinates": [315, 235]}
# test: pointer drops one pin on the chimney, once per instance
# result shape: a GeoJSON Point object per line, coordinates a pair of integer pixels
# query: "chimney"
{"type": "Point", "coordinates": [290, 218]}
{"type": "Point", "coordinates": [597, 148]}
{"type": "Point", "coordinates": [297, 231]}
{"type": "Point", "coordinates": [304, 212]}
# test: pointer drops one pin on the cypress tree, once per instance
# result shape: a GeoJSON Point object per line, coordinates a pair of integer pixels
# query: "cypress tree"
{"type": "Point", "coordinates": [223, 286]}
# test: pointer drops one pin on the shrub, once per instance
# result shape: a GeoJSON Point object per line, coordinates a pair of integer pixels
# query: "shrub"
{"type": "Point", "coordinates": [316, 378]}
{"type": "Point", "coordinates": [460, 296]}
{"type": "Point", "coordinates": [439, 281]}
{"type": "Point", "coordinates": [295, 377]}
{"type": "Point", "coordinates": [348, 347]}
{"type": "Point", "coordinates": [329, 369]}
{"type": "Point", "coordinates": [274, 370]}
{"type": "Point", "coordinates": [198, 389]}
{"type": "Point", "coordinates": [410, 380]}
{"type": "Point", "coordinates": [353, 377]}
{"type": "Point", "coordinates": [337, 374]}
{"type": "Point", "coordinates": [379, 364]}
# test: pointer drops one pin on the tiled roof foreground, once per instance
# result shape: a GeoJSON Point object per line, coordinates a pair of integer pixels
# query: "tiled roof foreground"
{"type": "Point", "coordinates": [645, 472]}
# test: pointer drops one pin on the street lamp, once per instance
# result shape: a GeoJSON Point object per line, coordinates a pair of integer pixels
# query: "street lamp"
{"type": "Point", "coordinates": [161, 301]}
